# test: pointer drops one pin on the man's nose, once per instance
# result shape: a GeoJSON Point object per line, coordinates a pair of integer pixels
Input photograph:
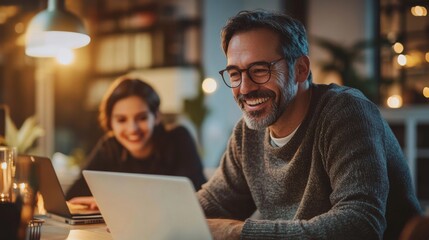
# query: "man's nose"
{"type": "Point", "coordinates": [247, 85]}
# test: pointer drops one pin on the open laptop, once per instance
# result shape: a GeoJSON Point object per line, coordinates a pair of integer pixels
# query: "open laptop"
{"type": "Point", "coordinates": [53, 196]}
{"type": "Point", "coordinates": [142, 206]}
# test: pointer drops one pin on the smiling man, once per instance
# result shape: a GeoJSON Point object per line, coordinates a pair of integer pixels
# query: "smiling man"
{"type": "Point", "coordinates": [316, 161]}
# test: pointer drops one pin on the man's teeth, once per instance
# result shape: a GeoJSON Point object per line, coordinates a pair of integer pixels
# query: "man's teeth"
{"type": "Point", "coordinates": [257, 101]}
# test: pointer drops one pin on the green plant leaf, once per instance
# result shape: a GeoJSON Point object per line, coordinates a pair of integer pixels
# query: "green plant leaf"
{"type": "Point", "coordinates": [11, 132]}
{"type": "Point", "coordinates": [23, 138]}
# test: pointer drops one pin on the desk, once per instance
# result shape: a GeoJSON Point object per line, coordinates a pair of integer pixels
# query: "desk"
{"type": "Point", "coordinates": [54, 230]}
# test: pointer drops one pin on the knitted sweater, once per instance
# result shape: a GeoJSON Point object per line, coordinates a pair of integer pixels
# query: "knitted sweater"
{"type": "Point", "coordinates": [341, 176]}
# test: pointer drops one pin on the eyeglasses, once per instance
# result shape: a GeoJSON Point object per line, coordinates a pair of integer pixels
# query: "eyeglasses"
{"type": "Point", "coordinates": [258, 72]}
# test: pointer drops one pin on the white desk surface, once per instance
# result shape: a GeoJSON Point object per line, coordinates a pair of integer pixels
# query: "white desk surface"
{"type": "Point", "coordinates": [54, 230]}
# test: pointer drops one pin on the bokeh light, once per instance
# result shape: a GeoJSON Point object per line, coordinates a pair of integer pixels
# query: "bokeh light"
{"type": "Point", "coordinates": [426, 92]}
{"type": "Point", "coordinates": [398, 47]}
{"type": "Point", "coordinates": [419, 11]}
{"type": "Point", "coordinates": [394, 101]}
{"type": "Point", "coordinates": [209, 85]}
{"type": "Point", "coordinates": [402, 60]}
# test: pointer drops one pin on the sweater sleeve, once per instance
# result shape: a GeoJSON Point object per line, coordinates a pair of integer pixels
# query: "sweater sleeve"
{"type": "Point", "coordinates": [351, 147]}
{"type": "Point", "coordinates": [226, 195]}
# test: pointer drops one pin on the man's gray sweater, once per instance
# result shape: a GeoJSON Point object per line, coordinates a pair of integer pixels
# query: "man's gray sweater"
{"type": "Point", "coordinates": [341, 176]}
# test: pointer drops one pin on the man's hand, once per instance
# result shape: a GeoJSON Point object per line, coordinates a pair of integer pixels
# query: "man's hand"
{"type": "Point", "coordinates": [225, 228]}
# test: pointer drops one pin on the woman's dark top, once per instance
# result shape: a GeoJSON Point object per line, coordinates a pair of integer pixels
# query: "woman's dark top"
{"type": "Point", "coordinates": [174, 154]}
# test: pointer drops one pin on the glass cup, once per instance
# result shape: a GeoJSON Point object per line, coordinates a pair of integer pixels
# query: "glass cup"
{"type": "Point", "coordinates": [7, 172]}
{"type": "Point", "coordinates": [9, 213]}
{"type": "Point", "coordinates": [18, 194]}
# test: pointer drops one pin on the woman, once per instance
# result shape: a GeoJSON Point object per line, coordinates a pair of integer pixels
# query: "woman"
{"type": "Point", "coordinates": [136, 141]}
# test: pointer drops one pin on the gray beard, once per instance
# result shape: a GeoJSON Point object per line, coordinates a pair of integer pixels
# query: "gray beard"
{"type": "Point", "coordinates": [253, 119]}
{"type": "Point", "coordinates": [254, 122]}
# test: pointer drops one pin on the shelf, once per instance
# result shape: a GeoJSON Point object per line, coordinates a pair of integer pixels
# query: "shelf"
{"type": "Point", "coordinates": [157, 34]}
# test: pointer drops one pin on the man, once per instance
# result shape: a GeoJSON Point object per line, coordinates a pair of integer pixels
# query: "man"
{"type": "Point", "coordinates": [316, 161]}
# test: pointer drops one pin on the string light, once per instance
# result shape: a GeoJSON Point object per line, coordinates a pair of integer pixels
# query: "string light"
{"type": "Point", "coordinates": [398, 47]}
{"type": "Point", "coordinates": [419, 11]}
{"type": "Point", "coordinates": [426, 92]}
{"type": "Point", "coordinates": [402, 60]}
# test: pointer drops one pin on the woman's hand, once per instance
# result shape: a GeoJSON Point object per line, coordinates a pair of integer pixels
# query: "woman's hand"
{"type": "Point", "coordinates": [87, 201]}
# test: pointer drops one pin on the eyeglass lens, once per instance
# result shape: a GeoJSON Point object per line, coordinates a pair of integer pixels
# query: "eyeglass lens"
{"type": "Point", "coordinates": [258, 73]}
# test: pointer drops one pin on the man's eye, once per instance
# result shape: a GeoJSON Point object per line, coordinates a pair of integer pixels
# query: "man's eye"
{"type": "Point", "coordinates": [234, 74]}
{"type": "Point", "coordinates": [260, 71]}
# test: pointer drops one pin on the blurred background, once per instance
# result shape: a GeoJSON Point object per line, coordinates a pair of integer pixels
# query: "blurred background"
{"type": "Point", "coordinates": [378, 46]}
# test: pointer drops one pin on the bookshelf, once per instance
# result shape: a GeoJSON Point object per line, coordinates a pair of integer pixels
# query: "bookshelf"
{"type": "Point", "coordinates": [144, 34]}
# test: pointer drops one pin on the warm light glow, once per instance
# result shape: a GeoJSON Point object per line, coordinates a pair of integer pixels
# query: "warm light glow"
{"type": "Point", "coordinates": [19, 27]}
{"type": "Point", "coordinates": [7, 12]}
{"type": "Point", "coordinates": [3, 165]}
{"type": "Point", "coordinates": [391, 36]}
{"type": "Point", "coordinates": [49, 44]}
{"type": "Point", "coordinates": [398, 47]}
{"type": "Point", "coordinates": [426, 92]}
{"type": "Point", "coordinates": [22, 186]}
{"type": "Point", "coordinates": [402, 60]}
{"type": "Point", "coordinates": [3, 18]}
{"type": "Point", "coordinates": [427, 57]}
{"type": "Point", "coordinates": [419, 11]}
{"type": "Point", "coordinates": [414, 58]}
{"type": "Point", "coordinates": [65, 57]}
{"type": "Point", "coordinates": [394, 101]}
{"type": "Point", "coordinates": [209, 85]}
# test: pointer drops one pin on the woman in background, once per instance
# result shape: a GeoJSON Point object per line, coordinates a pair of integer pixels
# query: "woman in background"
{"type": "Point", "coordinates": [136, 141]}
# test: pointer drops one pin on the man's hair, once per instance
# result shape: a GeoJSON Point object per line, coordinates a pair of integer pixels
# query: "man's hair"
{"type": "Point", "coordinates": [293, 37]}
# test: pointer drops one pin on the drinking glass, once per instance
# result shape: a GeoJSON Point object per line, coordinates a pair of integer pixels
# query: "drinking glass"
{"type": "Point", "coordinates": [7, 171]}
{"type": "Point", "coordinates": [9, 213]}
{"type": "Point", "coordinates": [18, 194]}
{"type": "Point", "coordinates": [25, 187]}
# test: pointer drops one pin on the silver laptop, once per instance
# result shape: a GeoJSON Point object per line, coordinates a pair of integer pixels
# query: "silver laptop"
{"type": "Point", "coordinates": [142, 206]}
{"type": "Point", "coordinates": [53, 196]}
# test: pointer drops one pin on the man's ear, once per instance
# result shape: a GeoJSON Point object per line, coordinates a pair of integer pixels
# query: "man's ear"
{"type": "Point", "coordinates": [302, 69]}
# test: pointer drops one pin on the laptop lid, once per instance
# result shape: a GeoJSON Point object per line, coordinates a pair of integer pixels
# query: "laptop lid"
{"type": "Point", "coordinates": [142, 206]}
{"type": "Point", "coordinates": [53, 195]}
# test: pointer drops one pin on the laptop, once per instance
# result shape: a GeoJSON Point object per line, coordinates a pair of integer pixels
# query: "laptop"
{"type": "Point", "coordinates": [53, 196]}
{"type": "Point", "coordinates": [143, 206]}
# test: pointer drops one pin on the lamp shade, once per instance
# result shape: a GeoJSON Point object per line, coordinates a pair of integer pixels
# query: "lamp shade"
{"type": "Point", "coordinates": [54, 30]}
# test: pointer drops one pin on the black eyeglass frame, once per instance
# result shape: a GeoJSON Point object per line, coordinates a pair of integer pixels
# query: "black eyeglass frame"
{"type": "Point", "coordinates": [269, 64]}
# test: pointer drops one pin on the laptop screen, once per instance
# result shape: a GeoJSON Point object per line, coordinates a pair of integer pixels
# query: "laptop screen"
{"type": "Point", "coordinates": [53, 195]}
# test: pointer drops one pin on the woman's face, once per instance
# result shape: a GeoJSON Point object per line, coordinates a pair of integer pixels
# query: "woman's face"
{"type": "Point", "coordinates": [132, 124]}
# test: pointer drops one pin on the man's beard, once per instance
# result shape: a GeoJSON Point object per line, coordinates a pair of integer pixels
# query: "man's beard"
{"type": "Point", "coordinates": [255, 119]}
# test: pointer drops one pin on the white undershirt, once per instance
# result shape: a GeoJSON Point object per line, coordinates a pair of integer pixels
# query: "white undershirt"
{"type": "Point", "coordinates": [280, 142]}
